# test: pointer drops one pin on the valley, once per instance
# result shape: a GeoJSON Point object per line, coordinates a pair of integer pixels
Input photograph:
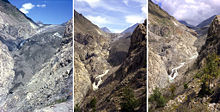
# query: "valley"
{"type": "Point", "coordinates": [106, 64]}
{"type": "Point", "coordinates": [183, 63]}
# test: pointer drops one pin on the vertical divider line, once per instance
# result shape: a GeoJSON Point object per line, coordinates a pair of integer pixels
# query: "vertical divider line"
{"type": "Point", "coordinates": [147, 55]}
{"type": "Point", "coordinates": [73, 50]}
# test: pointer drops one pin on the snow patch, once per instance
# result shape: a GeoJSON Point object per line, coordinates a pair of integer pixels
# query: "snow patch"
{"type": "Point", "coordinates": [175, 23]}
{"type": "Point", "coordinates": [96, 86]}
{"type": "Point", "coordinates": [194, 56]}
{"type": "Point", "coordinates": [57, 34]}
{"type": "Point", "coordinates": [33, 26]}
{"type": "Point", "coordinates": [174, 72]}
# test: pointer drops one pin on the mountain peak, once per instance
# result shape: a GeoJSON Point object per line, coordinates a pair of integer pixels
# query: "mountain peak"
{"type": "Point", "coordinates": [214, 28]}
{"type": "Point", "coordinates": [105, 29]}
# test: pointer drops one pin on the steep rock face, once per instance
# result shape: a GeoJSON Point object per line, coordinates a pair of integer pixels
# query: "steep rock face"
{"type": "Point", "coordinates": [212, 44]}
{"type": "Point", "coordinates": [6, 72]}
{"type": "Point", "coordinates": [91, 50]}
{"type": "Point", "coordinates": [50, 85]}
{"type": "Point", "coordinates": [131, 74]}
{"type": "Point", "coordinates": [202, 31]}
{"type": "Point", "coordinates": [119, 50]}
{"type": "Point", "coordinates": [171, 48]}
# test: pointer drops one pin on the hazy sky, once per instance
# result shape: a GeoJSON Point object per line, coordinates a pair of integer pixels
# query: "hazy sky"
{"type": "Point", "coordinates": [192, 11]}
{"type": "Point", "coordinates": [46, 11]}
{"type": "Point", "coordinates": [117, 15]}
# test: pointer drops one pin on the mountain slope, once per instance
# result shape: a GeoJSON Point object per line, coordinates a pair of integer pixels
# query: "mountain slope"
{"type": "Point", "coordinates": [91, 49]}
{"type": "Point", "coordinates": [14, 22]}
{"type": "Point", "coordinates": [130, 29]}
{"type": "Point", "coordinates": [84, 26]}
{"type": "Point", "coordinates": [185, 23]}
{"type": "Point", "coordinates": [202, 92]}
{"type": "Point", "coordinates": [206, 22]}
{"type": "Point", "coordinates": [171, 48]}
{"type": "Point", "coordinates": [51, 83]}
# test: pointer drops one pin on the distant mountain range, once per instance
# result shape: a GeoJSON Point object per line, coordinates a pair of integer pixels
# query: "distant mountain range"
{"type": "Point", "coordinates": [206, 22]}
{"type": "Point", "coordinates": [185, 23]}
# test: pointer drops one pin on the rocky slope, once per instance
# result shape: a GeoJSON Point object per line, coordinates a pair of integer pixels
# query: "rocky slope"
{"type": "Point", "coordinates": [91, 52]}
{"type": "Point", "coordinates": [49, 84]}
{"type": "Point", "coordinates": [13, 23]}
{"type": "Point", "coordinates": [38, 72]}
{"type": "Point", "coordinates": [202, 92]}
{"type": "Point", "coordinates": [171, 48]}
{"type": "Point", "coordinates": [6, 72]}
{"type": "Point", "coordinates": [197, 89]}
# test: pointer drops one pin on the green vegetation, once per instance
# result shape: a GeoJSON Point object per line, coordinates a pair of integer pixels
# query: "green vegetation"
{"type": "Point", "coordinates": [60, 100]}
{"type": "Point", "coordinates": [185, 86]}
{"type": "Point", "coordinates": [77, 108]}
{"type": "Point", "coordinates": [172, 89]}
{"type": "Point", "coordinates": [208, 73]}
{"type": "Point", "coordinates": [92, 104]}
{"type": "Point", "coordinates": [129, 102]}
{"type": "Point", "coordinates": [157, 98]}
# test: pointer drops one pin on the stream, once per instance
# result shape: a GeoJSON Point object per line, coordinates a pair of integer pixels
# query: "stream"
{"type": "Point", "coordinates": [96, 86]}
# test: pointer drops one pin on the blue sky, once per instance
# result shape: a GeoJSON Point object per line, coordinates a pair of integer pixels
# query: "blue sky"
{"type": "Point", "coordinates": [117, 15]}
{"type": "Point", "coordinates": [191, 11]}
{"type": "Point", "coordinates": [46, 11]}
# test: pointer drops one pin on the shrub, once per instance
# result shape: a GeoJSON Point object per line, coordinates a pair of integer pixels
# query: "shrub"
{"type": "Point", "coordinates": [77, 108]}
{"type": "Point", "coordinates": [210, 71]}
{"type": "Point", "coordinates": [93, 104]}
{"type": "Point", "coordinates": [172, 89]}
{"type": "Point", "coordinates": [157, 98]}
{"type": "Point", "coordinates": [185, 85]}
{"type": "Point", "coordinates": [129, 102]}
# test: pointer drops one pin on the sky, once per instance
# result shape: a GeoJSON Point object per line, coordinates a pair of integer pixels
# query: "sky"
{"type": "Point", "coordinates": [191, 11]}
{"type": "Point", "coordinates": [116, 15]}
{"type": "Point", "coordinates": [46, 11]}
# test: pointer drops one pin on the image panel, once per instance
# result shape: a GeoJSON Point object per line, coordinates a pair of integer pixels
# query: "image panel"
{"type": "Point", "coordinates": [183, 73]}
{"type": "Point", "coordinates": [36, 62]}
{"type": "Point", "coordinates": [110, 55]}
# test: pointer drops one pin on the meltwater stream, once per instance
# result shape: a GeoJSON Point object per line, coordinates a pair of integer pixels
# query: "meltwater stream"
{"type": "Point", "coordinates": [174, 72]}
{"type": "Point", "coordinates": [96, 86]}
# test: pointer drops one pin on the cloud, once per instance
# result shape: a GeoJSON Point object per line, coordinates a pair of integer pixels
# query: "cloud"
{"type": "Point", "coordinates": [192, 11]}
{"type": "Point", "coordinates": [26, 7]}
{"type": "Point", "coordinates": [117, 30]}
{"type": "Point", "coordinates": [92, 3]}
{"type": "Point", "coordinates": [125, 2]}
{"type": "Point", "coordinates": [144, 9]}
{"type": "Point", "coordinates": [133, 19]}
{"type": "Point", "coordinates": [103, 4]}
{"type": "Point", "coordinates": [98, 20]}
{"type": "Point", "coordinates": [42, 6]}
